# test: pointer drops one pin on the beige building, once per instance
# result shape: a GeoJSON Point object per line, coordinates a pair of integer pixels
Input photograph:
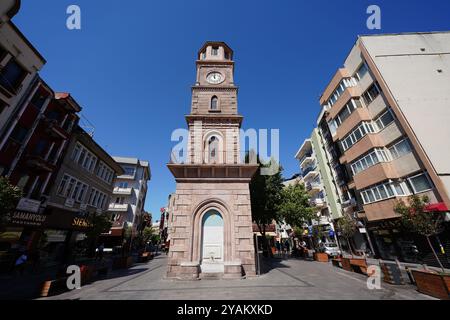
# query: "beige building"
{"type": "Point", "coordinates": [211, 222]}
{"type": "Point", "coordinates": [387, 110]}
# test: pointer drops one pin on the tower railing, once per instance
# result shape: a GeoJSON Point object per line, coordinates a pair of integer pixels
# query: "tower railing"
{"type": "Point", "coordinates": [212, 158]}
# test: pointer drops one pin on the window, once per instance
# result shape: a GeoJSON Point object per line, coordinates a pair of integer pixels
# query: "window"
{"type": "Point", "coordinates": [400, 149]}
{"type": "Point", "coordinates": [11, 76]}
{"type": "Point", "coordinates": [357, 134]}
{"type": "Point", "coordinates": [63, 184]}
{"type": "Point", "coordinates": [70, 187]}
{"type": "Point", "coordinates": [213, 149]}
{"type": "Point", "coordinates": [361, 72]}
{"type": "Point", "coordinates": [383, 191]}
{"type": "Point", "coordinates": [40, 148]}
{"type": "Point", "coordinates": [38, 100]}
{"type": "Point", "coordinates": [385, 119]}
{"type": "Point", "coordinates": [123, 185]}
{"type": "Point", "coordinates": [215, 51]}
{"type": "Point", "coordinates": [373, 158]}
{"type": "Point", "coordinates": [203, 55]}
{"type": "Point", "coordinates": [19, 134]}
{"type": "Point", "coordinates": [54, 115]}
{"type": "Point", "coordinates": [82, 156]}
{"type": "Point", "coordinates": [214, 103]}
{"type": "Point", "coordinates": [3, 53]}
{"type": "Point", "coordinates": [82, 193]}
{"type": "Point", "coordinates": [371, 93]}
{"type": "Point", "coordinates": [129, 171]}
{"type": "Point", "coordinates": [420, 183]}
{"type": "Point", "coordinates": [76, 152]}
{"type": "Point", "coordinates": [345, 83]}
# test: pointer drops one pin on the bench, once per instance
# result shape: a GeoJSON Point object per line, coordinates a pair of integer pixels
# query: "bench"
{"type": "Point", "coordinates": [145, 256]}
{"type": "Point", "coordinates": [53, 287]}
{"type": "Point", "coordinates": [359, 265]}
{"type": "Point", "coordinates": [336, 262]}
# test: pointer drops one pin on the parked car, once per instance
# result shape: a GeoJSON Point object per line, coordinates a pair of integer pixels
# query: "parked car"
{"type": "Point", "coordinates": [330, 248]}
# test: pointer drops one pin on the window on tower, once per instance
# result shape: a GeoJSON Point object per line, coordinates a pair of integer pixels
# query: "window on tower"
{"type": "Point", "coordinates": [214, 103]}
{"type": "Point", "coordinates": [215, 51]}
{"type": "Point", "coordinates": [213, 145]}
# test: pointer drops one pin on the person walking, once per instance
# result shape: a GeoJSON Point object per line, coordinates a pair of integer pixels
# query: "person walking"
{"type": "Point", "coordinates": [287, 245]}
{"type": "Point", "coordinates": [21, 263]}
{"type": "Point", "coordinates": [100, 251]}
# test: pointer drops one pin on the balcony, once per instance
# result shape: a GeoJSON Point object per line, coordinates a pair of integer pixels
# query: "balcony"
{"type": "Point", "coordinates": [314, 187]}
{"type": "Point", "coordinates": [310, 172]}
{"type": "Point", "coordinates": [307, 160]}
{"type": "Point", "coordinates": [117, 207]}
{"type": "Point", "coordinates": [38, 163]}
{"type": "Point", "coordinates": [318, 202]}
{"type": "Point", "coordinates": [54, 129]}
{"type": "Point", "coordinates": [122, 191]}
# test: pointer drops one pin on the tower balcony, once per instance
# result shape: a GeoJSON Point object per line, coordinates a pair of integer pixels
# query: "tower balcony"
{"type": "Point", "coordinates": [223, 165]}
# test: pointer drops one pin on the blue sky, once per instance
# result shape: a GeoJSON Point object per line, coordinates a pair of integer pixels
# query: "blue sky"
{"type": "Point", "coordinates": [132, 63]}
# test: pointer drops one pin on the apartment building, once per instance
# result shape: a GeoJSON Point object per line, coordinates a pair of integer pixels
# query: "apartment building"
{"type": "Point", "coordinates": [19, 65]}
{"type": "Point", "coordinates": [129, 194]}
{"type": "Point", "coordinates": [386, 111]}
{"type": "Point", "coordinates": [318, 179]}
{"type": "Point", "coordinates": [82, 188]}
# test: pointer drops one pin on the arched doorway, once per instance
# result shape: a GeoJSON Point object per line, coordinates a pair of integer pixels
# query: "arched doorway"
{"type": "Point", "coordinates": [212, 245]}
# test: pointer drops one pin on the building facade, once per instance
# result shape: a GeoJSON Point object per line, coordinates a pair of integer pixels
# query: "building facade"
{"type": "Point", "coordinates": [128, 201]}
{"type": "Point", "coordinates": [19, 65]}
{"type": "Point", "coordinates": [388, 121]}
{"type": "Point", "coordinates": [80, 190]}
{"type": "Point", "coordinates": [212, 222]}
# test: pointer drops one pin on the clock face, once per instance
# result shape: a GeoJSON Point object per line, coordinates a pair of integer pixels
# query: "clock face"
{"type": "Point", "coordinates": [215, 78]}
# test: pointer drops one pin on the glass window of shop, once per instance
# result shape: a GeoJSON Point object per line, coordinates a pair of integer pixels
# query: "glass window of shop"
{"type": "Point", "coordinates": [51, 246]}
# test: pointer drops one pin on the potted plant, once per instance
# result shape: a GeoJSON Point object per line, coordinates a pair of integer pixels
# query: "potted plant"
{"type": "Point", "coordinates": [418, 219]}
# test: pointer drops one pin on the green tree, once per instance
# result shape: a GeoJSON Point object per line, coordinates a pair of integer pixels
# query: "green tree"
{"type": "Point", "coordinates": [148, 233]}
{"type": "Point", "coordinates": [265, 194]}
{"type": "Point", "coordinates": [99, 223]}
{"type": "Point", "coordinates": [416, 218]}
{"type": "Point", "coordinates": [295, 207]}
{"type": "Point", "coordinates": [347, 228]}
{"type": "Point", "coordinates": [9, 197]}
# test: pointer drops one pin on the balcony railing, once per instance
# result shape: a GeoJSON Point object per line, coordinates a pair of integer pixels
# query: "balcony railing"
{"type": "Point", "coordinates": [318, 202]}
{"type": "Point", "coordinates": [309, 169]}
{"type": "Point", "coordinates": [313, 186]}
{"type": "Point", "coordinates": [213, 158]}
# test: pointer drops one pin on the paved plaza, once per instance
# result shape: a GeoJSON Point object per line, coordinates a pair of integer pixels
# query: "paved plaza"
{"type": "Point", "coordinates": [290, 279]}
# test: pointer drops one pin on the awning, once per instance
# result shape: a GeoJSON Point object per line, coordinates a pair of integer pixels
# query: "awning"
{"type": "Point", "coordinates": [436, 207]}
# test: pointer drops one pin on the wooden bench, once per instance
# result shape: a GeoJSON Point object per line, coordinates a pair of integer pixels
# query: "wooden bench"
{"type": "Point", "coordinates": [53, 287]}
{"type": "Point", "coordinates": [336, 262]}
{"type": "Point", "coordinates": [359, 265]}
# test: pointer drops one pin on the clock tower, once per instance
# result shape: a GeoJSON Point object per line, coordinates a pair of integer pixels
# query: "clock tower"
{"type": "Point", "coordinates": [211, 222]}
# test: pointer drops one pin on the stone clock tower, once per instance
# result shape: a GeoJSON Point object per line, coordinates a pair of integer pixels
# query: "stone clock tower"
{"type": "Point", "coordinates": [211, 222]}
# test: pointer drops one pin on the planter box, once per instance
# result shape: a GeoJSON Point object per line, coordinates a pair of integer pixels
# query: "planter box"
{"type": "Point", "coordinates": [86, 274]}
{"type": "Point", "coordinates": [122, 262]}
{"type": "Point", "coordinates": [321, 257]}
{"type": "Point", "coordinates": [53, 287]}
{"type": "Point", "coordinates": [432, 284]}
{"type": "Point", "coordinates": [346, 264]}
{"type": "Point", "coordinates": [359, 265]}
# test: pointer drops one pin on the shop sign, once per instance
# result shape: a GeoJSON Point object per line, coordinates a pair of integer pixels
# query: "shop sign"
{"type": "Point", "coordinates": [29, 205]}
{"type": "Point", "coordinates": [81, 223]}
{"type": "Point", "coordinates": [27, 219]}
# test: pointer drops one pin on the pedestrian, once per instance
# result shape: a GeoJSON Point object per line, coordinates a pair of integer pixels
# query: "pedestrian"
{"type": "Point", "coordinates": [287, 245]}
{"type": "Point", "coordinates": [100, 250]}
{"type": "Point", "coordinates": [21, 263]}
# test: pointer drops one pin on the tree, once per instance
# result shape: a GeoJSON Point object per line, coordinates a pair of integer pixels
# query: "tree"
{"type": "Point", "coordinates": [265, 194]}
{"type": "Point", "coordinates": [100, 223]}
{"type": "Point", "coordinates": [148, 234]}
{"type": "Point", "coordinates": [347, 228]}
{"type": "Point", "coordinates": [9, 197]}
{"type": "Point", "coordinates": [295, 207]}
{"type": "Point", "coordinates": [416, 218]}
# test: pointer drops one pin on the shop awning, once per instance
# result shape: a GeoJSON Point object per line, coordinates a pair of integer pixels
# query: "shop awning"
{"type": "Point", "coordinates": [436, 207]}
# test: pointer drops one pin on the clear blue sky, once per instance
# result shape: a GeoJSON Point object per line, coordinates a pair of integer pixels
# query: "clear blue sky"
{"type": "Point", "coordinates": [132, 64]}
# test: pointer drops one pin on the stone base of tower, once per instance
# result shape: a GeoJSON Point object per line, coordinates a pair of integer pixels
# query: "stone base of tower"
{"type": "Point", "coordinates": [193, 200]}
